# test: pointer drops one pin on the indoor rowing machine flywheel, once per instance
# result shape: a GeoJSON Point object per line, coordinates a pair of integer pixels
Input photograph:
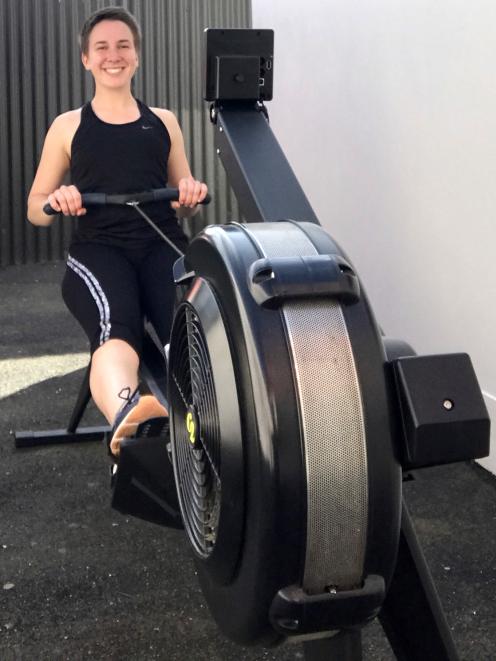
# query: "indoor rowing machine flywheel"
{"type": "Point", "coordinates": [283, 456]}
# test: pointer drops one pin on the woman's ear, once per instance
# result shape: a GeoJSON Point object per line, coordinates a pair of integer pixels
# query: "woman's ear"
{"type": "Point", "coordinates": [84, 60]}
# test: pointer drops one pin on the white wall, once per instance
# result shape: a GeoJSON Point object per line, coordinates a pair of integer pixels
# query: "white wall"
{"type": "Point", "coordinates": [386, 110]}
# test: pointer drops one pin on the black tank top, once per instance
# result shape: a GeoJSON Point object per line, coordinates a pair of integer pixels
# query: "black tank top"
{"type": "Point", "coordinates": [122, 158]}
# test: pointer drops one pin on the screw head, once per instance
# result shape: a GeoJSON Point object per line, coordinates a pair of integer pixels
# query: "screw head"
{"type": "Point", "coordinates": [287, 623]}
{"type": "Point", "coordinates": [448, 404]}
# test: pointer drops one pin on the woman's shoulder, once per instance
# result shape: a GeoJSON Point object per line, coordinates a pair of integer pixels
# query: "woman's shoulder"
{"type": "Point", "coordinates": [64, 127]}
{"type": "Point", "coordinates": [162, 112]}
{"type": "Point", "coordinates": [67, 120]}
{"type": "Point", "coordinates": [167, 117]}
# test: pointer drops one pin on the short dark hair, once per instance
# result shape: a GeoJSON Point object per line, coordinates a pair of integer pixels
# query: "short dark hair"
{"type": "Point", "coordinates": [109, 14]}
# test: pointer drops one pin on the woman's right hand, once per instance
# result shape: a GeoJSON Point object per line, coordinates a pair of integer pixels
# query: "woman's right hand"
{"type": "Point", "coordinates": [67, 200]}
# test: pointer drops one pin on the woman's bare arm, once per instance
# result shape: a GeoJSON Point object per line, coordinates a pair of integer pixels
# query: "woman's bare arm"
{"type": "Point", "coordinates": [54, 165]}
{"type": "Point", "coordinates": [191, 191]}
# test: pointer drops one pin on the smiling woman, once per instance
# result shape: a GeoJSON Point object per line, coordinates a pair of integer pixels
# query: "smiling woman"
{"type": "Point", "coordinates": [111, 54]}
{"type": "Point", "coordinates": [118, 270]}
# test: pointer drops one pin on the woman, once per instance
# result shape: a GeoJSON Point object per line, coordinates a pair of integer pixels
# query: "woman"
{"type": "Point", "coordinates": [118, 269]}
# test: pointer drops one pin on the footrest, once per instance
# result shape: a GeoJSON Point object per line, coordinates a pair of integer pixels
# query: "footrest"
{"type": "Point", "coordinates": [144, 484]}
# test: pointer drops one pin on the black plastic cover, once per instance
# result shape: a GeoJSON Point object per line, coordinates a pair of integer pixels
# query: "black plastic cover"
{"type": "Point", "coordinates": [294, 612]}
{"type": "Point", "coordinates": [237, 77]}
{"type": "Point", "coordinates": [442, 408]}
{"type": "Point", "coordinates": [238, 64]}
{"type": "Point", "coordinates": [144, 484]}
{"type": "Point", "coordinates": [278, 278]}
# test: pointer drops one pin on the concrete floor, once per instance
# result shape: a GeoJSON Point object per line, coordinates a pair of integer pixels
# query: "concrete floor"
{"type": "Point", "coordinates": [80, 581]}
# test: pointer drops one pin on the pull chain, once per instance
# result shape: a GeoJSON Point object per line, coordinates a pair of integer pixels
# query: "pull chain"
{"type": "Point", "coordinates": [136, 206]}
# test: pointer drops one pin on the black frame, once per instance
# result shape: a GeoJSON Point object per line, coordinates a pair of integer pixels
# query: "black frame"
{"type": "Point", "coordinates": [267, 190]}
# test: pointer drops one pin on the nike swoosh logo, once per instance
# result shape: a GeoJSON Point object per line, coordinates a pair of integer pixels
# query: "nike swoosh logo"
{"type": "Point", "coordinates": [146, 127]}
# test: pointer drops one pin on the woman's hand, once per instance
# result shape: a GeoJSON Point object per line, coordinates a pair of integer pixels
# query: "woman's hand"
{"type": "Point", "coordinates": [191, 193]}
{"type": "Point", "coordinates": [67, 200]}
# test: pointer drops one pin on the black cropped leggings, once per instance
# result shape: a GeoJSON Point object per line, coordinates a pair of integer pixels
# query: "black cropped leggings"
{"type": "Point", "coordinates": [110, 290]}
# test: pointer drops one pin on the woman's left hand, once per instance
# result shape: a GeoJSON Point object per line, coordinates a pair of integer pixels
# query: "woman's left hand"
{"type": "Point", "coordinates": [191, 193]}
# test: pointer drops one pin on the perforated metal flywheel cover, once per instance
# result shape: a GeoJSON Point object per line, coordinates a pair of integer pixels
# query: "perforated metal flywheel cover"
{"type": "Point", "coordinates": [332, 425]}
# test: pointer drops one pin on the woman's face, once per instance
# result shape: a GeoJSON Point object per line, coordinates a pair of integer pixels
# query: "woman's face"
{"type": "Point", "coordinates": [111, 56]}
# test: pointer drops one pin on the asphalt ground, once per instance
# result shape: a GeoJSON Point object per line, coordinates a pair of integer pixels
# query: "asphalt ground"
{"type": "Point", "coordinates": [81, 581]}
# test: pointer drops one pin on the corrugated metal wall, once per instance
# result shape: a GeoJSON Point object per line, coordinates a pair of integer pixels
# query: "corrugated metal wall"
{"type": "Point", "coordinates": [41, 76]}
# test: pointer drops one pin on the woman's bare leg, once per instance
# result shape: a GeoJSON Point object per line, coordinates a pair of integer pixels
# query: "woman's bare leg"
{"type": "Point", "coordinates": [114, 366]}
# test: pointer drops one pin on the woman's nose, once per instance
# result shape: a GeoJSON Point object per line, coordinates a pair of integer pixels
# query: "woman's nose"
{"type": "Point", "coordinates": [113, 54]}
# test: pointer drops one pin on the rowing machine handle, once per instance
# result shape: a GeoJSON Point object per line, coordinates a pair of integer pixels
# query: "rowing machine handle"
{"type": "Point", "coordinates": [101, 199]}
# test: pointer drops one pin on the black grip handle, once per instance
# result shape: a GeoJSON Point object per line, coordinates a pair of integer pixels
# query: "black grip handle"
{"type": "Point", "coordinates": [49, 210]}
{"type": "Point", "coordinates": [172, 194]}
{"type": "Point", "coordinates": [87, 199]}
{"type": "Point", "coordinates": [100, 199]}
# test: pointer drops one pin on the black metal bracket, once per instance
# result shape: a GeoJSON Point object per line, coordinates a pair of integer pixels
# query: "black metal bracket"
{"type": "Point", "coordinates": [263, 181]}
{"type": "Point", "coordinates": [73, 433]}
{"type": "Point", "coordinates": [412, 615]}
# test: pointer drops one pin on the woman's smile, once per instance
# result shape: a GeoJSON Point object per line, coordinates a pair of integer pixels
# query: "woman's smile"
{"type": "Point", "coordinates": [113, 70]}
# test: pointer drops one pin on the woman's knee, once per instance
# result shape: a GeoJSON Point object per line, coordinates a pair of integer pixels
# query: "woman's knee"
{"type": "Point", "coordinates": [117, 352]}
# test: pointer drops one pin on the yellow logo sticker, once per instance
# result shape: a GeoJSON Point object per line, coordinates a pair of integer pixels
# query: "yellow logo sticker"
{"type": "Point", "coordinates": [190, 426]}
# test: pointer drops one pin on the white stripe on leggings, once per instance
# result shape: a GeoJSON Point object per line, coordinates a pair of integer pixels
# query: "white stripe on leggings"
{"type": "Point", "coordinates": [97, 293]}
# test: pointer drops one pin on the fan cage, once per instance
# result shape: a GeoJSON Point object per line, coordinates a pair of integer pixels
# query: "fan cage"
{"type": "Point", "coordinates": [196, 447]}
